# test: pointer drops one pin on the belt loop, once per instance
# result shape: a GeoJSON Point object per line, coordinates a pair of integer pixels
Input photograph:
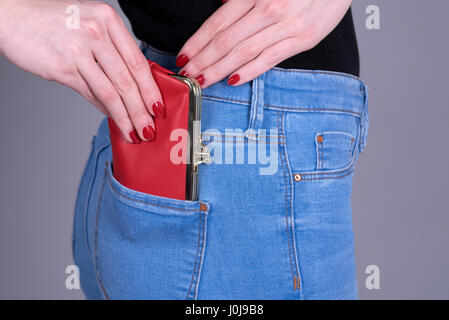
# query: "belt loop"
{"type": "Point", "coordinates": [257, 105]}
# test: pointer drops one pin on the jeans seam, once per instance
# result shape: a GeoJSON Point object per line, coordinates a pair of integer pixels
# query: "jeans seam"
{"type": "Point", "coordinates": [196, 255]}
{"type": "Point", "coordinates": [254, 104]}
{"type": "Point", "coordinates": [349, 171]}
{"type": "Point", "coordinates": [221, 99]}
{"type": "Point", "coordinates": [262, 142]}
{"type": "Point", "coordinates": [342, 74]}
{"type": "Point", "coordinates": [236, 136]}
{"type": "Point", "coordinates": [339, 173]}
{"type": "Point", "coordinates": [332, 110]}
{"type": "Point", "coordinates": [145, 202]}
{"type": "Point", "coordinates": [85, 217]}
{"type": "Point", "coordinates": [319, 152]}
{"type": "Point", "coordinates": [97, 270]}
{"type": "Point", "coordinates": [289, 175]}
{"type": "Point", "coordinates": [288, 198]}
{"type": "Point", "coordinates": [283, 108]}
{"type": "Point", "coordinates": [201, 255]}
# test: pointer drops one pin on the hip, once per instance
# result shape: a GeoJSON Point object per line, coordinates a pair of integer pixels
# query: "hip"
{"type": "Point", "coordinates": [273, 219]}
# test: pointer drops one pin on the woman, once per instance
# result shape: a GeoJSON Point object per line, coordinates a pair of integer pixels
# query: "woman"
{"type": "Point", "coordinates": [289, 67]}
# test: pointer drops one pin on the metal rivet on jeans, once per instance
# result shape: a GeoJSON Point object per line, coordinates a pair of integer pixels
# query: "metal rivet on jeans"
{"type": "Point", "coordinates": [297, 177]}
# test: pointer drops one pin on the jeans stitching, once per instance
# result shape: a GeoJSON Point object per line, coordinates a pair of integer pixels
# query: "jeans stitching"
{"type": "Point", "coordinates": [289, 176]}
{"type": "Point", "coordinates": [286, 207]}
{"type": "Point", "coordinates": [342, 74]}
{"type": "Point", "coordinates": [145, 202]}
{"type": "Point", "coordinates": [97, 270]}
{"type": "Point", "coordinates": [262, 142]}
{"type": "Point", "coordinates": [254, 105]}
{"type": "Point", "coordinates": [200, 262]}
{"type": "Point", "coordinates": [283, 108]}
{"type": "Point", "coordinates": [334, 174]}
{"type": "Point", "coordinates": [196, 255]}
{"type": "Point", "coordinates": [322, 155]}
{"type": "Point", "coordinates": [328, 177]}
{"type": "Point", "coordinates": [213, 98]}
{"type": "Point", "coordinates": [235, 136]}
{"type": "Point", "coordinates": [86, 234]}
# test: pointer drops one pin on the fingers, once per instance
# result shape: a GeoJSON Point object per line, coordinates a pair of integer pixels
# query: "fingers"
{"type": "Point", "coordinates": [220, 20]}
{"type": "Point", "coordinates": [105, 91]}
{"type": "Point", "coordinates": [137, 64]}
{"type": "Point", "coordinates": [80, 85]}
{"type": "Point", "coordinates": [241, 54]}
{"type": "Point", "coordinates": [267, 59]}
{"type": "Point", "coordinates": [226, 40]}
{"type": "Point", "coordinates": [122, 81]}
{"type": "Point", "coordinates": [127, 89]}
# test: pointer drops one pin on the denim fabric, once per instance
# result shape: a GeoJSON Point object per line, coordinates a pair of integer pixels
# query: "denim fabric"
{"type": "Point", "coordinates": [264, 227]}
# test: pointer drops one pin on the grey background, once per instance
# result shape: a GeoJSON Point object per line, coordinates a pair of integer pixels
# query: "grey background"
{"type": "Point", "coordinates": [400, 197]}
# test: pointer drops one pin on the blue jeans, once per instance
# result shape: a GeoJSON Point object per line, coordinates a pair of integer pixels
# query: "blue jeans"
{"type": "Point", "coordinates": [269, 224]}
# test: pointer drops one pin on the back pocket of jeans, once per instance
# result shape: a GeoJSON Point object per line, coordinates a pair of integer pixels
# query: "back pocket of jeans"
{"type": "Point", "coordinates": [147, 246]}
{"type": "Point", "coordinates": [334, 150]}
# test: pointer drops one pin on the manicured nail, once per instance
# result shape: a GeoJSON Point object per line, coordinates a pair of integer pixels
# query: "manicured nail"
{"type": "Point", "coordinates": [159, 110]}
{"type": "Point", "coordinates": [184, 73]}
{"type": "Point", "coordinates": [135, 137]}
{"type": "Point", "coordinates": [182, 60]}
{"type": "Point", "coordinates": [149, 133]}
{"type": "Point", "coordinates": [224, 1]}
{"type": "Point", "coordinates": [233, 79]}
{"type": "Point", "coordinates": [200, 79]}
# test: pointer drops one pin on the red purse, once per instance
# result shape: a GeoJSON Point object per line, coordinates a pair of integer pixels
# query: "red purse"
{"type": "Point", "coordinates": [166, 166]}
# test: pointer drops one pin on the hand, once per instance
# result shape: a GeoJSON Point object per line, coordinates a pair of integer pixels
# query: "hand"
{"type": "Point", "coordinates": [245, 38]}
{"type": "Point", "coordinates": [100, 59]}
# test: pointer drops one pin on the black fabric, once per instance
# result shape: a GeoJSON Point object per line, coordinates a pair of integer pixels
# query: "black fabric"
{"type": "Point", "coordinates": [168, 24]}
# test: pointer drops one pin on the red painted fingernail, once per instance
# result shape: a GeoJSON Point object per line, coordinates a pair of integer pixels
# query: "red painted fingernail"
{"type": "Point", "coordinates": [233, 79]}
{"type": "Point", "coordinates": [182, 60]}
{"type": "Point", "coordinates": [135, 137]}
{"type": "Point", "coordinates": [200, 79]}
{"type": "Point", "coordinates": [149, 133]}
{"type": "Point", "coordinates": [159, 110]}
{"type": "Point", "coordinates": [184, 73]}
{"type": "Point", "coordinates": [224, 1]}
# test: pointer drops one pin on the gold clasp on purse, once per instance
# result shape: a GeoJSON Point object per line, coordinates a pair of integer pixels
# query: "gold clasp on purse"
{"type": "Point", "coordinates": [202, 155]}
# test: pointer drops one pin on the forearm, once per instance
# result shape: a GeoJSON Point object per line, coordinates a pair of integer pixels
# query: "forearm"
{"type": "Point", "coordinates": [99, 58]}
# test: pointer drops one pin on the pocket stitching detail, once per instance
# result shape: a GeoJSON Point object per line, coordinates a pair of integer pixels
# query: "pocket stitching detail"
{"type": "Point", "coordinates": [326, 177]}
{"type": "Point", "coordinates": [97, 270]}
{"type": "Point", "coordinates": [320, 150]}
{"type": "Point", "coordinates": [96, 154]}
{"type": "Point", "coordinates": [292, 251]}
{"type": "Point", "coordinates": [332, 174]}
{"type": "Point", "coordinates": [145, 202]}
{"type": "Point", "coordinates": [198, 255]}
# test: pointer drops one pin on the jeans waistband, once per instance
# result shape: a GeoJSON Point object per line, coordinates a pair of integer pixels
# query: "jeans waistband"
{"type": "Point", "coordinates": [286, 90]}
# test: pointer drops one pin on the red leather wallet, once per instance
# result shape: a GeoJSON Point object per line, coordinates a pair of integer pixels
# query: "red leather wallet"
{"type": "Point", "coordinates": [166, 166]}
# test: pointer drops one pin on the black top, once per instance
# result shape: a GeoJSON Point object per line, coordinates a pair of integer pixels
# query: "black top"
{"type": "Point", "coordinates": [168, 24]}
